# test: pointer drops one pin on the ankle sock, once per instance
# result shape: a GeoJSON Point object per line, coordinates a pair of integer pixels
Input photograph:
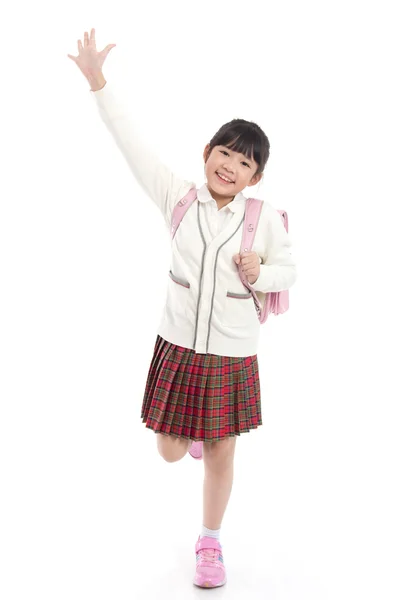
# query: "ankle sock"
{"type": "Point", "coordinates": [214, 533]}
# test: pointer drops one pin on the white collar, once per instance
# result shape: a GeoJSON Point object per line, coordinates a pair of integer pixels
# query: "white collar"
{"type": "Point", "coordinates": [203, 195]}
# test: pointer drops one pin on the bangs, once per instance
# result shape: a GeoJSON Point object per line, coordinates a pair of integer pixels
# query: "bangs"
{"type": "Point", "coordinates": [247, 142]}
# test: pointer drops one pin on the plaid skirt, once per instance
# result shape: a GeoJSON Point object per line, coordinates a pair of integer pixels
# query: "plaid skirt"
{"type": "Point", "coordinates": [203, 397]}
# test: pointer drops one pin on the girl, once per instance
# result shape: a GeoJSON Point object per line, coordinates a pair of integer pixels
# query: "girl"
{"type": "Point", "coordinates": [203, 387]}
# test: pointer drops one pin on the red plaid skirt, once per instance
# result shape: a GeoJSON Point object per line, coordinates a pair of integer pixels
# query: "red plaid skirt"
{"type": "Point", "coordinates": [200, 396]}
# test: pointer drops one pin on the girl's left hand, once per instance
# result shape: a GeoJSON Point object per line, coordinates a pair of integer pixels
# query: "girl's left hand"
{"type": "Point", "coordinates": [250, 264]}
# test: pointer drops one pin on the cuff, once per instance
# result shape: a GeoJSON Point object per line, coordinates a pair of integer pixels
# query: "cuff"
{"type": "Point", "coordinates": [263, 279]}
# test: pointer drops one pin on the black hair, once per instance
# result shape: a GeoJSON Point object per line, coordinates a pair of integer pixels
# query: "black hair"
{"type": "Point", "coordinates": [245, 137]}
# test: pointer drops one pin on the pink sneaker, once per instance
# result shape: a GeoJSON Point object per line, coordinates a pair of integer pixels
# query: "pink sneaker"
{"type": "Point", "coordinates": [196, 450]}
{"type": "Point", "coordinates": [210, 569]}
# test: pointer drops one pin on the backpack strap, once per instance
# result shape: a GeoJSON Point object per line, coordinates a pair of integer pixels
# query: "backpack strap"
{"type": "Point", "coordinates": [180, 210]}
{"type": "Point", "coordinates": [251, 220]}
{"type": "Point", "coordinates": [285, 218]}
{"type": "Point", "coordinates": [275, 302]}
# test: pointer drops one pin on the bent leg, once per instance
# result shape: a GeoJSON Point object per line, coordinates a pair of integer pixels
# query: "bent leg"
{"type": "Point", "coordinates": [172, 448]}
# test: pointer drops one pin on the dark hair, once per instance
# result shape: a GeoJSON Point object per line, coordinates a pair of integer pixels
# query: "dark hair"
{"type": "Point", "coordinates": [245, 137]}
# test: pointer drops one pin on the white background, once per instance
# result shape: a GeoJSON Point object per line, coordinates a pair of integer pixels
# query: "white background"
{"type": "Point", "coordinates": [88, 509]}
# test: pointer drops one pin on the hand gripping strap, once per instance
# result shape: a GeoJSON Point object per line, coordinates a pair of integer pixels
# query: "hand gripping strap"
{"type": "Point", "coordinates": [275, 302]}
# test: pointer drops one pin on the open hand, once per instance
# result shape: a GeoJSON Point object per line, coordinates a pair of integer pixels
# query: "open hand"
{"type": "Point", "coordinates": [250, 263]}
{"type": "Point", "coordinates": [89, 60]}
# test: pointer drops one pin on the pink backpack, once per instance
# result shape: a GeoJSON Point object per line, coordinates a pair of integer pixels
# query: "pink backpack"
{"type": "Point", "coordinates": [275, 302]}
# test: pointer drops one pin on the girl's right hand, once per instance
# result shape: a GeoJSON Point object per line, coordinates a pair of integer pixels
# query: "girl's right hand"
{"type": "Point", "coordinates": [89, 60]}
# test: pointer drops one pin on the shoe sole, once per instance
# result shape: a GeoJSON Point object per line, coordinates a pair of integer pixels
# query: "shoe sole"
{"type": "Point", "coordinates": [195, 456]}
{"type": "Point", "coordinates": [208, 585]}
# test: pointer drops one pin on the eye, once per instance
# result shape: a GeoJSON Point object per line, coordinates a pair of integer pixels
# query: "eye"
{"type": "Point", "coordinates": [245, 163]}
{"type": "Point", "coordinates": [224, 152]}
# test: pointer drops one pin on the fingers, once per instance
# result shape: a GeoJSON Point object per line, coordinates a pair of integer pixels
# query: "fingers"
{"type": "Point", "coordinates": [247, 257]}
{"type": "Point", "coordinates": [249, 264]}
{"type": "Point", "coordinates": [86, 42]}
{"type": "Point", "coordinates": [107, 49]}
{"type": "Point", "coordinates": [92, 39]}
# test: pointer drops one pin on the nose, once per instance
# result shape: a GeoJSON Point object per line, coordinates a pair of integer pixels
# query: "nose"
{"type": "Point", "coordinates": [228, 166]}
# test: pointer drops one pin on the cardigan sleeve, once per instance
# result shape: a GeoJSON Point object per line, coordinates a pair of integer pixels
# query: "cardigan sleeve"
{"type": "Point", "coordinates": [163, 187]}
{"type": "Point", "coordinates": [278, 269]}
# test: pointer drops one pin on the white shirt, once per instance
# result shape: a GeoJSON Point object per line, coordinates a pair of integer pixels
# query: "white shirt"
{"type": "Point", "coordinates": [200, 311]}
{"type": "Point", "coordinates": [216, 219]}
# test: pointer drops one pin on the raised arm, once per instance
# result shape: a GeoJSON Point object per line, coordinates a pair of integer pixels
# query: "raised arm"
{"type": "Point", "coordinates": [156, 179]}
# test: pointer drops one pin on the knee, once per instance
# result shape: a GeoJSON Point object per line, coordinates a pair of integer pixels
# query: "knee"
{"type": "Point", "coordinates": [171, 449]}
{"type": "Point", "coordinates": [168, 456]}
{"type": "Point", "coordinates": [218, 456]}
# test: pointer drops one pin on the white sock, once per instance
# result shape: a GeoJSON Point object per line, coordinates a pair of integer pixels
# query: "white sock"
{"type": "Point", "coordinates": [214, 533]}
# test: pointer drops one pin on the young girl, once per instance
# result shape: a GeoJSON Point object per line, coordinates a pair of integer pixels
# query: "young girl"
{"type": "Point", "coordinates": [203, 387]}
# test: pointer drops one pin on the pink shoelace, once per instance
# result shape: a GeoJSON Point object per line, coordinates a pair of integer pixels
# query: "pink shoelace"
{"type": "Point", "coordinates": [211, 556]}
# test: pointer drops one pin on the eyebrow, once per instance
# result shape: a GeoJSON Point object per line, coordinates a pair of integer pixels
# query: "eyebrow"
{"type": "Point", "coordinates": [251, 160]}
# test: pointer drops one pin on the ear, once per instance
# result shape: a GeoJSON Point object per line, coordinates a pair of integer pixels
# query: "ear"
{"type": "Point", "coordinates": [206, 153]}
{"type": "Point", "coordinates": [255, 179]}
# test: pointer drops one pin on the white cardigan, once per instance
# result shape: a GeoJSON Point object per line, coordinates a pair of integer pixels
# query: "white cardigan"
{"type": "Point", "coordinates": [198, 312]}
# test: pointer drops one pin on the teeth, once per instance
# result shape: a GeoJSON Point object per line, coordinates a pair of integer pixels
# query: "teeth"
{"type": "Point", "coordinates": [224, 178]}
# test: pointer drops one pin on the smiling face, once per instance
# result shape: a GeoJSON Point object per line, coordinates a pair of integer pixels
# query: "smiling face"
{"type": "Point", "coordinates": [228, 172]}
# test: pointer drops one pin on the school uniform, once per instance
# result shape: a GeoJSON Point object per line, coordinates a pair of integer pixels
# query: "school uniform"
{"type": "Point", "coordinates": [203, 381]}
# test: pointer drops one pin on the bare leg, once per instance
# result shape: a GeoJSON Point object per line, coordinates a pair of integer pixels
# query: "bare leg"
{"type": "Point", "coordinates": [171, 447]}
{"type": "Point", "coordinates": [218, 480]}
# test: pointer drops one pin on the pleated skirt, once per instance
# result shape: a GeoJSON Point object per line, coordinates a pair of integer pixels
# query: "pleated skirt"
{"type": "Point", "coordinates": [203, 397]}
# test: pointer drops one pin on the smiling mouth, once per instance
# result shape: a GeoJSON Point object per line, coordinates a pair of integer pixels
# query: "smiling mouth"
{"type": "Point", "coordinates": [223, 179]}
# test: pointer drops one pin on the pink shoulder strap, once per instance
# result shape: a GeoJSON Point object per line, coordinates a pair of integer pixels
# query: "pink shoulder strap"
{"type": "Point", "coordinates": [275, 302]}
{"type": "Point", "coordinates": [180, 210]}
